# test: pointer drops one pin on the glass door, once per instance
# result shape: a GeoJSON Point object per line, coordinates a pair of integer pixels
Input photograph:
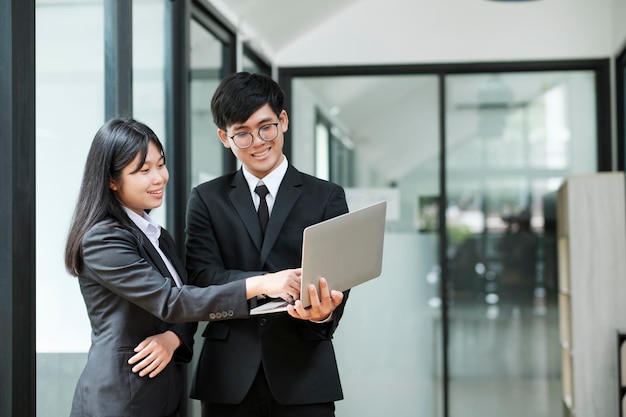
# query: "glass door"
{"type": "Point", "coordinates": [378, 136]}
{"type": "Point", "coordinates": [511, 138]}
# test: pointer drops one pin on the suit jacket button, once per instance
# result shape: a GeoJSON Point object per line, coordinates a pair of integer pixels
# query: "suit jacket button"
{"type": "Point", "coordinates": [218, 315]}
{"type": "Point", "coordinates": [262, 322]}
{"type": "Point", "coordinates": [211, 316]}
{"type": "Point", "coordinates": [231, 313]}
{"type": "Point", "coordinates": [224, 314]}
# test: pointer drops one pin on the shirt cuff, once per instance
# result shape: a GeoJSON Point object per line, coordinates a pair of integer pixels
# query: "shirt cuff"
{"type": "Point", "coordinates": [326, 320]}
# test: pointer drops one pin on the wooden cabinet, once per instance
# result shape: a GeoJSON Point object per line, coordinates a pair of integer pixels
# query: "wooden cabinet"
{"type": "Point", "coordinates": [591, 235]}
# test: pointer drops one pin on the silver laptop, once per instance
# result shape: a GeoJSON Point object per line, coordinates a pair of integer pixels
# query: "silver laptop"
{"type": "Point", "coordinates": [347, 250]}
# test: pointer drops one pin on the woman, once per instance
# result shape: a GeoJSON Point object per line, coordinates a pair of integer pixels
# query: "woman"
{"type": "Point", "coordinates": [133, 284]}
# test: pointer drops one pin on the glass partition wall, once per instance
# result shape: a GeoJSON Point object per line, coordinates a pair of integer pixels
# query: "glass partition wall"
{"type": "Point", "coordinates": [345, 129]}
{"type": "Point", "coordinates": [211, 49]}
{"type": "Point", "coordinates": [464, 315]}
{"type": "Point", "coordinates": [511, 138]}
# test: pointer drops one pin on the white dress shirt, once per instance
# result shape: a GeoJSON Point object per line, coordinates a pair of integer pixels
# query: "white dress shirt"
{"type": "Point", "coordinates": [272, 182]}
{"type": "Point", "coordinates": [152, 229]}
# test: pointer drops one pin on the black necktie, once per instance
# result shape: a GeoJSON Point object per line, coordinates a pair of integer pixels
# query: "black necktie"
{"type": "Point", "coordinates": [263, 212]}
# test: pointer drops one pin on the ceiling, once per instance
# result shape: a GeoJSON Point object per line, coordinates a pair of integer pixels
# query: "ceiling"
{"type": "Point", "coordinates": [281, 22]}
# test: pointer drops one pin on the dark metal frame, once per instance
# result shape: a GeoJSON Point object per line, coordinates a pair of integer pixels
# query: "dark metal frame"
{"type": "Point", "coordinates": [251, 54]}
{"type": "Point", "coordinates": [179, 14]}
{"type": "Point", "coordinates": [118, 58]}
{"type": "Point", "coordinates": [603, 125]}
{"type": "Point", "coordinates": [17, 208]}
{"type": "Point", "coordinates": [620, 107]}
{"type": "Point", "coordinates": [177, 115]}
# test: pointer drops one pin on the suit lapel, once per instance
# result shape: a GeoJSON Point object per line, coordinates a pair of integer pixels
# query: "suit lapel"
{"type": "Point", "coordinates": [288, 193]}
{"type": "Point", "coordinates": [153, 256]}
{"type": "Point", "coordinates": [166, 243]}
{"type": "Point", "coordinates": [242, 201]}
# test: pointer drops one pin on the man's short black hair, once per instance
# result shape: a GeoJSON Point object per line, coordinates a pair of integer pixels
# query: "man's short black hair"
{"type": "Point", "coordinates": [241, 94]}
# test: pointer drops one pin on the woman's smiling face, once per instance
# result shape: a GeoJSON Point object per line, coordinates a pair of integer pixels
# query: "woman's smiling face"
{"type": "Point", "coordinates": [142, 189]}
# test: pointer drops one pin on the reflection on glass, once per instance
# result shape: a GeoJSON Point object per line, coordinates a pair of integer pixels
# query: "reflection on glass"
{"type": "Point", "coordinates": [322, 170]}
{"type": "Point", "coordinates": [511, 138]}
{"type": "Point", "coordinates": [70, 105]}
{"type": "Point", "coordinates": [207, 69]}
{"type": "Point", "coordinates": [334, 152]}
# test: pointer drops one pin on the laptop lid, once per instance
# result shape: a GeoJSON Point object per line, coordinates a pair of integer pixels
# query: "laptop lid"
{"type": "Point", "coordinates": [347, 250]}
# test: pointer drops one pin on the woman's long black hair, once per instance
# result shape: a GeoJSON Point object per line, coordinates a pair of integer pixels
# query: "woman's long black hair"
{"type": "Point", "coordinates": [116, 144]}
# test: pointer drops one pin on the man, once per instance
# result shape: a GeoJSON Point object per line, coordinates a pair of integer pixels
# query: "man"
{"type": "Point", "coordinates": [279, 364]}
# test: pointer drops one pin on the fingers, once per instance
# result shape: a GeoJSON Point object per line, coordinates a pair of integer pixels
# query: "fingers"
{"type": "Point", "coordinates": [322, 304]}
{"type": "Point", "coordinates": [158, 369]}
{"type": "Point", "coordinates": [142, 345]}
{"type": "Point", "coordinates": [323, 299]}
{"type": "Point", "coordinates": [292, 289]}
{"type": "Point", "coordinates": [284, 284]}
{"type": "Point", "coordinates": [289, 298]}
{"type": "Point", "coordinates": [151, 365]}
{"type": "Point", "coordinates": [138, 356]}
{"type": "Point", "coordinates": [336, 297]}
{"type": "Point", "coordinates": [148, 363]}
{"type": "Point", "coordinates": [146, 366]}
{"type": "Point", "coordinates": [151, 357]}
{"type": "Point", "coordinates": [143, 349]}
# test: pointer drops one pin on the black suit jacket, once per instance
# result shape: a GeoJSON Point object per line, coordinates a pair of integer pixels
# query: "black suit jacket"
{"type": "Point", "coordinates": [130, 295]}
{"type": "Point", "coordinates": [224, 243]}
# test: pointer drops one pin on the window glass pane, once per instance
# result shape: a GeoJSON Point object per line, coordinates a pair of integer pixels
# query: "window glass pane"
{"type": "Point", "coordinates": [70, 108]}
{"type": "Point", "coordinates": [512, 138]}
{"type": "Point", "coordinates": [207, 69]}
{"type": "Point", "coordinates": [148, 74]}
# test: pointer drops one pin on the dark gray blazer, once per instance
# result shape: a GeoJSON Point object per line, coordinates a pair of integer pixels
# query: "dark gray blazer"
{"type": "Point", "coordinates": [223, 239]}
{"type": "Point", "coordinates": [129, 296]}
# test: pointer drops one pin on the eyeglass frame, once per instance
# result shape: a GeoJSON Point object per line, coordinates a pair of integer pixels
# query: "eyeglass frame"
{"type": "Point", "coordinates": [275, 124]}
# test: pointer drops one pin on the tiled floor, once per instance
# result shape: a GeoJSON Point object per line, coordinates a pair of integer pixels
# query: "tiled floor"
{"type": "Point", "coordinates": [504, 364]}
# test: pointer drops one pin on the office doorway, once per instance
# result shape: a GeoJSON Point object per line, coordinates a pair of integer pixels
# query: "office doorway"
{"type": "Point", "coordinates": [461, 317]}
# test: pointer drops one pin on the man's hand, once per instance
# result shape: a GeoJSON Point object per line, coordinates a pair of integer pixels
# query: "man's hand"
{"type": "Point", "coordinates": [154, 353]}
{"type": "Point", "coordinates": [322, 305]}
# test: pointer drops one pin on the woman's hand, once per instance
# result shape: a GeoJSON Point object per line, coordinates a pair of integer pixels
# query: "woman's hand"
{"type": "Point", "coordinates": [154, 353]}
{"type": "Point", "coordinates": [284, 284]}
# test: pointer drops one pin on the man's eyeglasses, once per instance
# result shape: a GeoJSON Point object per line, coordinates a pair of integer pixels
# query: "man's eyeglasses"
{"type": "Point", "coordinates": [267, 133]}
